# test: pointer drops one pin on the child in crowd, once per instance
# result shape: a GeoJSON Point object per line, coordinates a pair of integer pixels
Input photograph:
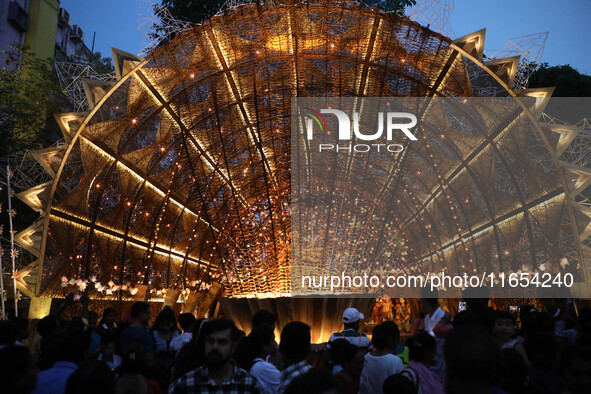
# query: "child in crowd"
{"type": "Point", "coordinates": [352, 359]}
{"type": "Point", "coordinates": [504, 331]}
{"type": "Point", "coordinates": [423, 353]}
{"type": "Point", "coordinates": [336, 354]}
{"type": "Point", "coordinates": [187, 322]}
{"type": "Point", "coordinates": [107, 354]}
{"type": "Point", "coordinates": [381, 363]}
{"type": "Point", "coordinates": [108, 326]}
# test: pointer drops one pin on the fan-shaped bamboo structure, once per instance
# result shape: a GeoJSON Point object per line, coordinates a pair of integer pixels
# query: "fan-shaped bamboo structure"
{"type": "Point", "coordinates": [179, 177]}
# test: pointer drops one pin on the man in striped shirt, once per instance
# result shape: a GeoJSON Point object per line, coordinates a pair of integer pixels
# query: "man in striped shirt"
{"type": "Point", "coordinates": [294, 349]}
{"type": "Point", "coordinates": [219, 375]}
{"type": "Point", "coordinates": [351, 319]}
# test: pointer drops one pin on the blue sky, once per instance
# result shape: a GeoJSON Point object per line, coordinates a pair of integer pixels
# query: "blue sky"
{"type": "Point", "coordinates": [568, 22]}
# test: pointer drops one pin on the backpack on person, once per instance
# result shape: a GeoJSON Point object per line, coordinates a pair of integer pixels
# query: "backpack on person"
{"type": "Point", "coordinates": [411, 375]}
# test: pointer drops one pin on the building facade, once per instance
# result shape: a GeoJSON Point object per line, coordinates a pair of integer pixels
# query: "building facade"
{"type": "Point", "coordinates": [14, 24]}
{"type": "Point", "coordinates": [44, 27]}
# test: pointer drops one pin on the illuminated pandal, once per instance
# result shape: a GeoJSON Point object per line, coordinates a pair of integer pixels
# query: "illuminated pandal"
{"type": "Point", "coordinates": [179, 176]}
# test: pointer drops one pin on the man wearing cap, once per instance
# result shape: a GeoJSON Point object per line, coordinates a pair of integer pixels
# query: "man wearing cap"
{"type": "Point", "coordinates": [351, 318]}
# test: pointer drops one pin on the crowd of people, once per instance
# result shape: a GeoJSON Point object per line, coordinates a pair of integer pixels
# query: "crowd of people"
{"type": "Point", "coordinates": [478, 351]}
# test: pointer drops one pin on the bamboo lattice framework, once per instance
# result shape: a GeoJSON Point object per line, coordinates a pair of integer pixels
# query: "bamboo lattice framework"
{"type": "Point", "coordinates": [168, 25]}
{"type": "Point", "coordinates": [72, 76]}
{"type": "Point", "coordinates": [179, 176]}
{"type": "Point", "coordinates": [530, 48]}
{"type": "Point", "coordinates": [433, 13]}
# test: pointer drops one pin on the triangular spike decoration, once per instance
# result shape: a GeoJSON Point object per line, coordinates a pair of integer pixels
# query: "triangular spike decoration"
{"type": "Point", "coordinates": [49, 158]}
{"type": "Point", "coordinates": [580, 289]}
{"type": "Point", "coordinates": [119, 61]}
{"type": "Point", "coordinates": [586, 252]}
{"type": "Point", "coordinates": [69, 123]}
{"type": "Point", "coordinates": [171, 297]}
{"type": "Point", "coordinates": [30, 238]}
{"type": "Point", "coordinates": [36, 197]}
{"type": "Point", "coordinates": [584, 177]}
{"type": "Point", "coordinates": [472, 43]}
{"type": "Point", "coordinates": [95, 90]}
{"type": "Point", "coordinates": [542, 98]}
{"type": "Point", "coordinates": [584, 230]}
{"type": "Point", "coordinates": [141, 293]}
{"type": "Point", "coordinates": [21, 274]}
{"type": "Point", "coordinates": [535, 92]}
{"type": "Point", "coordinates": [24, 289]}
{"type": "Point", "coordinates": [40, 307]}
{"type": "Point", "coordinates": [505, 68]}
{"type": "Point", "coordinates": [214, 291]}
{"type": "Point", "coordinates": [191, 301]}
{"type": "Point", "coordinates": [567, 135]}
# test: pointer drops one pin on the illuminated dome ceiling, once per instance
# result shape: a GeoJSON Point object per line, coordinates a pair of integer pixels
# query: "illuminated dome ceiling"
{"type": "Point", "coordinates": [179, 176]}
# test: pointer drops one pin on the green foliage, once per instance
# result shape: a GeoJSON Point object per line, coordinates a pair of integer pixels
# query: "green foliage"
{"type": "Point", "coordinates": [186, 10]}
{"type": "Point", "coordinates": [28, 97]}
{"type": "Point", "coordinates": [191, 10]}
{"type": "Point", "coordinates": [568, 81]}
{"type": "Point", "coordinates": [391, 5]}
{"type": "Point", "coordinates": [100, 64]}
{"type": "Point", "coordinates": [201, 10]}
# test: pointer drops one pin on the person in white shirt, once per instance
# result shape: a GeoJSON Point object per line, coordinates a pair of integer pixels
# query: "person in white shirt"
{"type": "Point", "coordinates": [187, 322]}
{"type": "Point", "coordinates": [433, 316]}
{"type": "Point", "coordinates": [381, 362]}
{"type": "Point", "coordinates": [257, 345]}
{"type": "Point", "coordinates": [107, 353]}
{"type": "Point", "coordinates": [293, 349]}
{"type": "Point", "coordinates": [263, 317]}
